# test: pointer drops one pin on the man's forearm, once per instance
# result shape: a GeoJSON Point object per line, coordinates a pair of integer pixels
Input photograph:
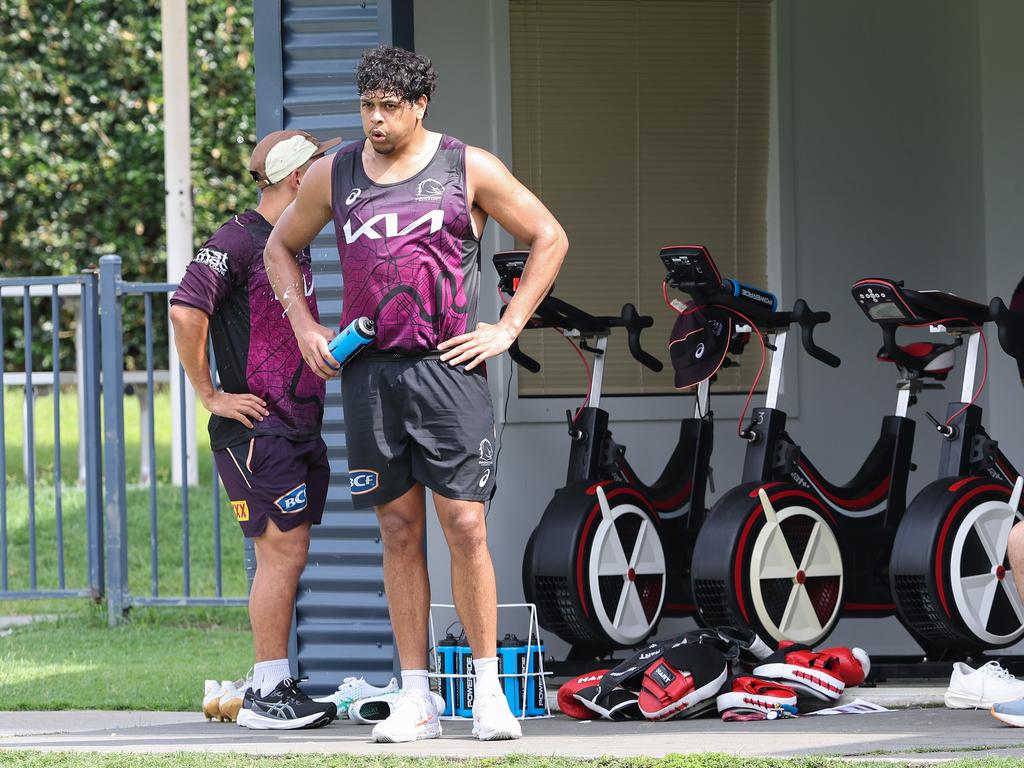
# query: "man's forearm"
{"type": "Point", "coordinates": [190, 341]}
{"type": "Point", "coordinates": [546, 255]}
{"type": "Point", "coordinates": [286, 280]}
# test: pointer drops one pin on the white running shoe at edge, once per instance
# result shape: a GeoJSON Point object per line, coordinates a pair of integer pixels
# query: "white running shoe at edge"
{"type": "Point", "coordinates": [990, 684]}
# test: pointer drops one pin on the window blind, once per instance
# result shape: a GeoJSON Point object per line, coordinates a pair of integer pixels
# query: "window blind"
{"type": "Point", "coordinates": [641, 123]}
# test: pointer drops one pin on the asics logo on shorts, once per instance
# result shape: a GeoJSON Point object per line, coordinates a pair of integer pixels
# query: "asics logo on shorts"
{"type": "Point", "coordinates": [293, 501]}
{"type": "Point", "coordinates": [362, 481]}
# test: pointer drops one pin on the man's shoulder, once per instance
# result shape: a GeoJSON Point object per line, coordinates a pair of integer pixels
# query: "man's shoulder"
{"type": "Point", "coordinates": [234, 241]}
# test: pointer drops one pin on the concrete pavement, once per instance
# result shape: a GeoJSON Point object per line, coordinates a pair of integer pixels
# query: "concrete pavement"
{"type": "Point", "coordinates": [916, 733]}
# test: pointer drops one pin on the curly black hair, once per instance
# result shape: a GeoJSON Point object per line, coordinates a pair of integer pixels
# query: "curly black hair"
{"type": "Point", "coordinates": [391, 70]}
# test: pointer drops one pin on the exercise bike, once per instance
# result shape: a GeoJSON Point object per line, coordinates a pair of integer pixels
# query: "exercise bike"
{"type": "Point", "coordinates": [949, 572]}
{"type": "Point", "coordinates": [596, 564]}
{"type": "Point", "coordinates": [768, 556]}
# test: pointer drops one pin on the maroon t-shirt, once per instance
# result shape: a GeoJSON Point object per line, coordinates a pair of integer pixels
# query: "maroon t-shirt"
{"type": "Point", "coordinates": [253, 343]}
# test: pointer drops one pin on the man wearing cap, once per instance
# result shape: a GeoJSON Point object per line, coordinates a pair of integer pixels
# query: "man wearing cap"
{"type": "Point", "coordinates": [409, 207]}
{"type": "Point", "coordinates": [266, 417]}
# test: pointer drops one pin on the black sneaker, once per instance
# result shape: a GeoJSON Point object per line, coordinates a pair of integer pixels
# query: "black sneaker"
{"type": "Point", "coordinates": [284, 708]}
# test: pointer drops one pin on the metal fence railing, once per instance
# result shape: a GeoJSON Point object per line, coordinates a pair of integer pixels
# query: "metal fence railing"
{"type": "Point", "coordinates": [33, 533]}
{"type": "Point", "coordinates": [121, 593]}
{"type": "Point", "coordinates": [148, 542]}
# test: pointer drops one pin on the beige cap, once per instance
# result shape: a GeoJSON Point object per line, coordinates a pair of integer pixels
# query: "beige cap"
{"type": "Point", "coordinates": [281, 152]}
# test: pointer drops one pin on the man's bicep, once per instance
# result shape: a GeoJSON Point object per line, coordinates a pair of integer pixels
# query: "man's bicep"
{"type": "Point", "coordinates": [507, 200]}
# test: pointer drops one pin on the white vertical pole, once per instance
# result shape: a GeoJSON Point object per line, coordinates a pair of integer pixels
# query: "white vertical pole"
{"type": "Point", "coordinates": [178, 207]}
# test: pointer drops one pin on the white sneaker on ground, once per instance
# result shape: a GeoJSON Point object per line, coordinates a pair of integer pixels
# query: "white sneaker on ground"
{"type": "Point", "coordinates": [492, 719]}
{"type": "Point", "coordinates": [377, 709]}
{"type": "Point", "coordinates": [990, 684]}
{"type": "Point", "coordinates": [233, 691]}
{"type": "Point", "coordinates": [355, 688]}
{"type": "Point", "coordinates": [212, 691]}
{"type": "Point", "coordinates": [413, 716]}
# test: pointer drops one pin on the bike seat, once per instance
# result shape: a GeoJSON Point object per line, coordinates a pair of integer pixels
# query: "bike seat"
{"type": "Point", "coordinates": [888, 301]}
{"type": "Point", "coordinates": [929, 360]}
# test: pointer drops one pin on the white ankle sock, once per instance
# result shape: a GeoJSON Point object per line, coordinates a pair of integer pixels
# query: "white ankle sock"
{"type": "Point", "coordinates": [487, 674]}
{"type": "Point", "coordinates": [415, 680]}
{"type": "Point", "coordinates": [267, 674]}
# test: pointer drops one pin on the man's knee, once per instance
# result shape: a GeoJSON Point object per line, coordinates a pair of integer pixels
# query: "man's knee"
{"type": "Point", "coordinates": [466, 531]}
{"type": "Point", "coordinates": [400, 530]}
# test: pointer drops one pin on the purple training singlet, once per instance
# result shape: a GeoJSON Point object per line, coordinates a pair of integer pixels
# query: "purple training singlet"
{"type": "Point", "coordinates": [253, 342]}
{"type": "Point", "coordinates": [409, 258]}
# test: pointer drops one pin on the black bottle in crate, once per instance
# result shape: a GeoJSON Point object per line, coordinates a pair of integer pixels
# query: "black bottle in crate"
{"type": "Point", "coordinates": [447, 664]}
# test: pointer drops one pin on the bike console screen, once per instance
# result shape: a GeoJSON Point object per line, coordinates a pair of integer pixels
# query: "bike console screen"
{"type": "Point", "coordinates": [509, 266]}
{"type": "Point", "coordinates": [690, 266]}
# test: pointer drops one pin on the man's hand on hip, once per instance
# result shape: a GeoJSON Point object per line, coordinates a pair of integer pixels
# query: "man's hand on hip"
{"type": "Point", "coordinates": [241, 408]}
{"type": "Point", "coordinates": [313, 345]}
{"type": "Point", "coordinates": [486, 341]}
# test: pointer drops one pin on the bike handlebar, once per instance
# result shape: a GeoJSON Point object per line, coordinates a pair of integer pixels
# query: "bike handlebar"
{"type": "Point", "coordinates": [554, 312]}
{"type": "Point", "coordinates": [635, 323]}
{"type": "Point", "coordinates": [807, 319]}
{"type": "Point", "coordinates": [1010, 324]}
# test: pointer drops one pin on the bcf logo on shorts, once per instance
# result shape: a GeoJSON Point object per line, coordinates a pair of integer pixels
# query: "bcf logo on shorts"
{"type": "Point", "coordinates": [362, 481]}
{"type": "Point", "coordinates": [293, 501]}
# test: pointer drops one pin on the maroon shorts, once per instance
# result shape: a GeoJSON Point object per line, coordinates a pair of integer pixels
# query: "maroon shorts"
{"type": "Point", "coordinates": [272, 478]}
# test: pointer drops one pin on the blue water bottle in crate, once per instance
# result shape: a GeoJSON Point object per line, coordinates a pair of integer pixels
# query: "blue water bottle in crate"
{"type": "Point", "coordinates": [536, 692]}
{"type": "Point", "coordinates": [466, 684]}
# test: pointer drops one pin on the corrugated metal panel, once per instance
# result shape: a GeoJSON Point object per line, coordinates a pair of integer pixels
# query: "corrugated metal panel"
{"type": "Point", "coordinates": [308, 83]}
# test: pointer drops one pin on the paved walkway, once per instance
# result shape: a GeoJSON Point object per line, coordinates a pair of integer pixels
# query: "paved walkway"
{"type": "Point", "coordinates": [918, 733]}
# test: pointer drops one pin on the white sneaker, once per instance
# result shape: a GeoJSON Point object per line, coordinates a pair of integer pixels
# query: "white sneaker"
{"type": "Point", "coordinates": [233, 691]}
{"type": "Point", "coordinates": [377, 709]}
{"type": "Point", "coordinates": [353, 689]}
{"type": "Point", "coordinates": [413, 716]}
{"type": "Point", "coordinates": [212, 691]}
{"type": "Point", "coordinates": [492, 719]}
{"type": "Point", "coordinates": [973, 688]}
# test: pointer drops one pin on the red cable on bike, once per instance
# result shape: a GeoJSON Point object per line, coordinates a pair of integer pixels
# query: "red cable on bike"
{"type": "Point", "coordinates": [984, 367]}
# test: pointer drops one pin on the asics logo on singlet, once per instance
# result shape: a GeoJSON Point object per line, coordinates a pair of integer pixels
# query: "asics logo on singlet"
{"type": "Point", "coordinates": [433, 219]}
{"type": "Point", "coordinates": [353, 196]}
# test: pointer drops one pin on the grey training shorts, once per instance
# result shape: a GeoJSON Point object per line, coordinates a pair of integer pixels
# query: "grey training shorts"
{"type": "Point", "coordinates": [410, 420]}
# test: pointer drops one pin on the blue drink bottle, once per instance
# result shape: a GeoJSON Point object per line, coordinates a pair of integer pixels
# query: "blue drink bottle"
{"type": "Point", "coordinates": [350, 341]}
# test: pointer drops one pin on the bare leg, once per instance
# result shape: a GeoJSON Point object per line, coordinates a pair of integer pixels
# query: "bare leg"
{"type": "Point", "coordinates": [406, 582]}
{"type": "Point", "coordinates": [1015, 551]}
{"type": "Point", "coordinates": [280, 559]}
{"type": "Point", "coordinates": [473, 585]}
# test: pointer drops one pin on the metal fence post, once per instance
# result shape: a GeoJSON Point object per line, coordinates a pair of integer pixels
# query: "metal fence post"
{"type": "Point", "coordinates": [89, 384]}
{"type": "Point", "coordinates": [113, 438]}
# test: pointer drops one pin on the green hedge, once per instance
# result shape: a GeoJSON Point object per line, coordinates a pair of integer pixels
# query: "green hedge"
{"type": "Point", "coordinates": [81, 142]}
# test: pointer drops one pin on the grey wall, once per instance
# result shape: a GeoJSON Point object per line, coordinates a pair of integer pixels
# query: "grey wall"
{"type": "Point", "coordinates": [1002, 101]}
{"type": "Point", "coordinates": [883, 174]}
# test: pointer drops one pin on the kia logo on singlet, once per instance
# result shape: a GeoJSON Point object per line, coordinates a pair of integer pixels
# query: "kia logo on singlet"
{"type": "Point", "coordinates": [435, 219]}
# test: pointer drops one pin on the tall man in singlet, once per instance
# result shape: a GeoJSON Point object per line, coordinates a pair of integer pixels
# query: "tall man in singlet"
{"type": "Point", "coordinates": [409, 206]}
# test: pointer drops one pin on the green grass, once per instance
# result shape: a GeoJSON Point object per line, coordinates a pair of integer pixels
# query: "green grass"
{"type": "Point", "coordinates": [168, 504]}
{"type": "Point", "coordinates": [160, 657]}
{"type": "Point", "coordinates": [156, 661]}
{"type": "Point", "coordinates": [237, 760]}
